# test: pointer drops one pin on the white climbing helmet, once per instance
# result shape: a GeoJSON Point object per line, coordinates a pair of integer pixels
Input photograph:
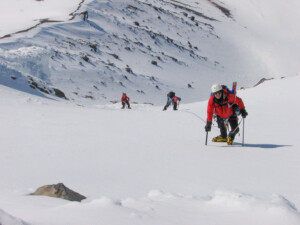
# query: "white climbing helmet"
{"type": "Point", "coordinates": [216, 87]}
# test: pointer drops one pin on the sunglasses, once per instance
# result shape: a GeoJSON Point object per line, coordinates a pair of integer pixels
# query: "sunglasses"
{"type": "Point", "coordinates": [219, 92]}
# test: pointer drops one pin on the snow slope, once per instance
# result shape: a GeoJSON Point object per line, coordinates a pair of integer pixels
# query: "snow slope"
{"type": "Point", "coordinates": [147, 48]}
{"type": "Point", "coordinates": [272, 25]}
{"type": "Point", "coordinates": [148, 166]}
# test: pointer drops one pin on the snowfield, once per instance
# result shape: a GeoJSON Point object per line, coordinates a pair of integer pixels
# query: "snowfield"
{"type": "Point", "coordinates": [148, 166]}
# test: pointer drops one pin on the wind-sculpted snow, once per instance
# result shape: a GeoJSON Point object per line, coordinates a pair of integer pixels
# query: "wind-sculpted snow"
{"type": "Point", "coordinates": [15, 79]}
{"type": "Point", "coordinates": [31, 60]}
{"type": "Point", "coordinates": [27, 69]}
{"type": "Point", "coordinates": [158, 207]}
{"type": "Point", "coordinates": [6, 219]}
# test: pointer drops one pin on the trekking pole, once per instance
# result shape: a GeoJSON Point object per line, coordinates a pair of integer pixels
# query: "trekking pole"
{"type": "Point", "coordinates": [243, 131]}
{"type": "Point", "coordinates": [206, 137]}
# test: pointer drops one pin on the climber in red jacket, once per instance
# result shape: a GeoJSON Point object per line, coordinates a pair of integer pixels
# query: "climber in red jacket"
{"type": "Point", "coordinates": [227, 107]}
{"type": "Point", "coordinates": [125, 100]}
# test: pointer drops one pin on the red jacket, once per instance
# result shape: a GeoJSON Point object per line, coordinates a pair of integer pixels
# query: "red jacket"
{"type": "Point", "coordinates": [124, 98]}
{"type": "Point", "coordinates": [223, 107]}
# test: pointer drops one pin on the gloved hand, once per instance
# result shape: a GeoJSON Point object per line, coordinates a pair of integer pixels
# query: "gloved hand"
{"type": "Point", "coordinates": [208, 126]}
{"type": "Point", "coordinates": [244, 113]}
{"type": "Point", "coordinates": [236, 109]}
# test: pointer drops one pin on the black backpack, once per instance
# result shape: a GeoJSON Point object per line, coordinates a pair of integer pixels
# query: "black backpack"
{"type": "Point", "coordinates": [171, 94]}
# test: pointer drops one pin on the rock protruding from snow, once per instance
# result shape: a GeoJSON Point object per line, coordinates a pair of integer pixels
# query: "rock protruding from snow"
{"type": "Point", "coordinates": [262, 80]}
{"type": "Point", "coordinates": [59, 191]}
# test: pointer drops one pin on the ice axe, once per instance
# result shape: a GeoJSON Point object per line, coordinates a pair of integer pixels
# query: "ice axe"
{"type": "Point", "coordinates": [243, 131]}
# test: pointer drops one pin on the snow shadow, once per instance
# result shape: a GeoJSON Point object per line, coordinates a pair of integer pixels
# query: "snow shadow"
{"type": "Point", "coordinates": [263, 145]}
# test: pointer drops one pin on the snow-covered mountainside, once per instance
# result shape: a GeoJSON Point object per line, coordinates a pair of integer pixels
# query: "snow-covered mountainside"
{"type": "Point", "coordinates": [147, 48]}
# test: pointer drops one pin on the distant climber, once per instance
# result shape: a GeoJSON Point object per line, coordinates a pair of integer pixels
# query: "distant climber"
{"type": "Point", "coordinates": [85, 15]}
{"type": "Point", "coordinates": [125, 100]}
{"type": "Point", "coordinates": [172, 99]}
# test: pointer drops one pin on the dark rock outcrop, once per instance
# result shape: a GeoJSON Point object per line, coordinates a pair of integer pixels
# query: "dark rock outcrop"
{"type": "Point", "coordinates": [59, 191]}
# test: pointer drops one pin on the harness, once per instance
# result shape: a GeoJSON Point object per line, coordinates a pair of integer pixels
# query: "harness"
{"type": "Point", "coordinates": [222, 102]}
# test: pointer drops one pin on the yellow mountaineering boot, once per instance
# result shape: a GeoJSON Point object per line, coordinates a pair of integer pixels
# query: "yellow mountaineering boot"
{"type": "Point", "coordinates": [219, 139]}
{"type": "Point", "coordinates": [229, 140]}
